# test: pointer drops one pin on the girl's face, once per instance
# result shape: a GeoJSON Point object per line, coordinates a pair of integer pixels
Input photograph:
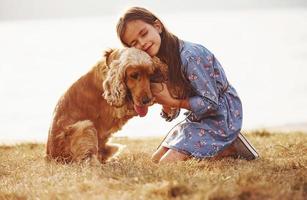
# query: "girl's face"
{"type": "Point", "coordinates": [143, 36]}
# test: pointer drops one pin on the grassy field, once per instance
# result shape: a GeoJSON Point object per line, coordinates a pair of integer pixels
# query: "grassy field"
{"type": "Point", "coordinates": [280, 173]}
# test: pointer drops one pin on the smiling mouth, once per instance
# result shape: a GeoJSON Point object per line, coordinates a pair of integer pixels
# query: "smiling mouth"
{"type": "Point", "coordinates": [148, 48]}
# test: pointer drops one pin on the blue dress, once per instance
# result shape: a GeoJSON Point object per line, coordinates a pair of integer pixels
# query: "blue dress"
{"type": "Point", "coordinates": [215, 119]}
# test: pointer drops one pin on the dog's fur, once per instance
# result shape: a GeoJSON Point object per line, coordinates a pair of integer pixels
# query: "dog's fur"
{"type": "Point", "coordinates": [100, 103]}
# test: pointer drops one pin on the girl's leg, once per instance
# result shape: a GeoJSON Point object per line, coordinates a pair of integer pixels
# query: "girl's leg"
{"type": "Point", "coordinates": [228, 152]}
{"type": "Point", "coordinates": [173, 156]}
{"type": "Point", "coordinates": [156, 156]}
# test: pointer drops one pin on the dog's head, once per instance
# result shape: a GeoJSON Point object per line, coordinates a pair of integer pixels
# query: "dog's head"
{"type": "Point", "coordinates": [128, 78]}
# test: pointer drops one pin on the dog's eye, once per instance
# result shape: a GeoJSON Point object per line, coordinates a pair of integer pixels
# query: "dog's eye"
{"type": "Point", "coordinates": [134, 75]}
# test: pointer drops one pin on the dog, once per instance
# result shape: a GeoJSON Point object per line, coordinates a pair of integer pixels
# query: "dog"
{"type": "Point", "coordinates": [97, 105]}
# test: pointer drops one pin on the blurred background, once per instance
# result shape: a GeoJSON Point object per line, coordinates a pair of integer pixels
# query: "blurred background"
{"type": "Point", "coordinates": [46, 45]}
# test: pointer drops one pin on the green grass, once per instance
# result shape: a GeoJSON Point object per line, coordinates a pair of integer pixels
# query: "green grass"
{"type": "Point", "coordinates": [280, 173]}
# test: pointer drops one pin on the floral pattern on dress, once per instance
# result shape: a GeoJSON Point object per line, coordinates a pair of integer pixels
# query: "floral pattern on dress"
{"type": "Point", "coordinates": [216, 109]}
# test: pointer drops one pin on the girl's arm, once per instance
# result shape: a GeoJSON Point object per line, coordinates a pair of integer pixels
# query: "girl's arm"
{"type": "Point", "coordinates": [199, 67]}
{"type": "Point", "coordinates": [162, 96]}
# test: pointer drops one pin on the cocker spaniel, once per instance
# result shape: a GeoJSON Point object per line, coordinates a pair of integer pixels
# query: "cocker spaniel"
{"type": "Point", "coordinates": [116, 89]}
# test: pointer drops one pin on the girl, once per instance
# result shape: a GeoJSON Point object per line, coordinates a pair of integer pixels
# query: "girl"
{"type": "Point", "coordinates": [196, 82]}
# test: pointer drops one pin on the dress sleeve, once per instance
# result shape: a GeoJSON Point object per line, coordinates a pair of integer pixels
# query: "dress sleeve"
{"type": "Point", "coordinates": [200, 73]}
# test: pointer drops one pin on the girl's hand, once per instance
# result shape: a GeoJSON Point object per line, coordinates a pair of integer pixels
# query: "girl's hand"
{"type": "Point", "coordinates": [162, 95]}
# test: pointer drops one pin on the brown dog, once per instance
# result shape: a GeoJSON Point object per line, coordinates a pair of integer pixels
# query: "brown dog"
{"type": "Point", "coordinates": [100, 103]}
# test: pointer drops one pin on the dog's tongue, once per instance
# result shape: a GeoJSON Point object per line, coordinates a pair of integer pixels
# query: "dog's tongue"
{"type": "Point", "coordinates": [141, 110]}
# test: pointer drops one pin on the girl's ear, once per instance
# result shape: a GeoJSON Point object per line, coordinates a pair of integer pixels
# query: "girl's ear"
{"type": "Point", "coordinates": [114, 86]}
{"type": "Point", "coordinates": [158, 25]}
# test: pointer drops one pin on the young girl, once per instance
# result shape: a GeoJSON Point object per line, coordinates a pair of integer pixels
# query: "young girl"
{"type": "Point", "coordinates": [196, 82]}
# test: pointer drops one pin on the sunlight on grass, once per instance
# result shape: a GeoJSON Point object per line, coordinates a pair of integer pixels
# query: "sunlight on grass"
{"type": "Point", "coordinates": [280, 173]}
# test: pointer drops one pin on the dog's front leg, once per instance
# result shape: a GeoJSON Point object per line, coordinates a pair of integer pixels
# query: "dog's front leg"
{"type": "Point", "coordinates": [102, 140]}
{"type": "Point", "coordinates": [109, 151]}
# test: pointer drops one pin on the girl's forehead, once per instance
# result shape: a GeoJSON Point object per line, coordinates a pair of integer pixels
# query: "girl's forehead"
{"type": "Point", "coordinates": [132, 30]}
{"type": "Point", "coordinates": [136, 22]}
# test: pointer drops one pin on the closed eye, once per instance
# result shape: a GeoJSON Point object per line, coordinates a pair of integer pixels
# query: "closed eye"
{"type": "Point", "coordinates": [133, 44]}
{"type": "Point", "coordinates": [144, 33]}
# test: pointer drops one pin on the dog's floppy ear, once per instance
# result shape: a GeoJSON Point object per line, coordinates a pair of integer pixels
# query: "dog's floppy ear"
{"type": "Point", "coordinates": [160, 71]}
{"type": "Point", "coordinates": [110, 55]}
{"type": "Point", "coordinates": [114, 85]}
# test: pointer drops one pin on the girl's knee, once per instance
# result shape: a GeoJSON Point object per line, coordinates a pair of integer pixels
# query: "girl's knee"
{"type": "Point", "coordinates": [156, 156]}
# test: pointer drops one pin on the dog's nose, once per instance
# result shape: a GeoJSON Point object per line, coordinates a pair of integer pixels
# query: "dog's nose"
{"type": "Point", "coordinates": [145, 100]}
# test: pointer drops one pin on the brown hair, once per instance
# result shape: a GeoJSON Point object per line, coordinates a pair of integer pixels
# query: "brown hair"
{"type": "Point", "coordinates": [168, 52]}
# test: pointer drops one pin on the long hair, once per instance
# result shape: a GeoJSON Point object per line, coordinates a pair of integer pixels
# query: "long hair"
{"type": "Point", "coordinates": [169, 50]}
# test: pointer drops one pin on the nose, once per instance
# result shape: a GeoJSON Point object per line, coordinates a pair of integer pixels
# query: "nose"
{"type": "Point", "coordinates": [142, 43]}
{"type": "Point", "coordinates": [145, 100]}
